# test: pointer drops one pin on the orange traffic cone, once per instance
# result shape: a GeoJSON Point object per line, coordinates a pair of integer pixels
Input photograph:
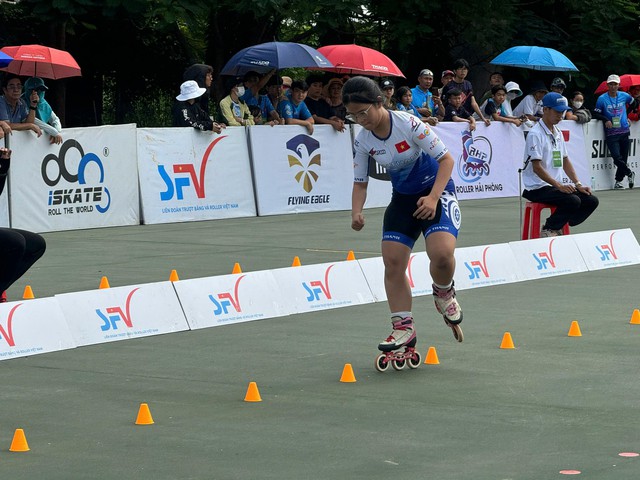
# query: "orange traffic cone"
{"type": "Point", "coordinates": [350, 255]}
{"type": "Point", "coordinates": [28, 293]}
{"type": "Point", "coordinates": [252, 395]}
{"type": "Point", "coordinates": [236, 268]}
{"type": "Point", "coordinates": [173, 277]}
{"type": "Point", "coordinates": [296, 262]}
{"type": "Point", "coordinates": [104, 283]}
{"type": "Point", "coordinates": [432, 357]}
{"type": "Point", "coordinates": [574, 329]}
{"type": "Point", "coordinates": [19, 442]}
{"type": "Point", "coordinates": [144, 415]}
{"type": "Point", "coordinates": [507, 341]}
{"type": "Point", "coordinates": [347, 374]}
{"type": "Point", "coordinates": [635, 317]}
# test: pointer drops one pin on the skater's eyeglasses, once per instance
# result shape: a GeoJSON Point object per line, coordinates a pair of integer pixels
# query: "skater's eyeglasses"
{"type": "Point", "coordinates": [358, 117]}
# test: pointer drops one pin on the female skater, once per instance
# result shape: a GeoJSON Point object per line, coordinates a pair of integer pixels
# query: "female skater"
{"type": "Point", "coordinates": [423, 202]}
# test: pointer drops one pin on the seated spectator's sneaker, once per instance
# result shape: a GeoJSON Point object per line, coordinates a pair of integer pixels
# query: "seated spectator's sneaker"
{"type": "Point", "coordinates": [544, 233]}
{"type": "Point", "coordinates": [632, 178]}
{"type": "Point", "coordinates": [618, 186]}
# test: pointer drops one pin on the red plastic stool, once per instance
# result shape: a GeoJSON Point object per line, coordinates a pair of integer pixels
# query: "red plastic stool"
{"type": "Point", "coordinates": [531, 225]}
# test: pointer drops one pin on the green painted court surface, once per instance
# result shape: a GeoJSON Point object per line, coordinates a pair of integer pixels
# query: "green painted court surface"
{"type": "Point", "coordinates": [554, 403]}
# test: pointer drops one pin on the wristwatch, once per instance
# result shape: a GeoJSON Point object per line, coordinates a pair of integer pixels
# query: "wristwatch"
{"type": "Point", "coordinates": [578, 184]}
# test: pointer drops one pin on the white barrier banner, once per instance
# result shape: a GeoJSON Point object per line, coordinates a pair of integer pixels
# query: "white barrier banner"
{"type": "Point", "coordinates": [33, 327]}
{"type": "Point", "coordinates": [295, 172]}
{"type": "Point", "coordinates": [234, 298]}
{"type": "Point", "coordinates": [574, 139]}
{"type": "Point", "coordinates": [318, 287]}
{"type": "Point", "coordinates": [546, 257]}
{"type": "Point", "coordinates": [111, 314]}
{"type": "Point", "coordinates": [4, 207]}
{"type": "Point", "coordinates": [614, 248]}
{"type": "Point", "coordinates": [187, 175]}
{"type": "Point", "coordinates": [417, 275]}
{"type": "Point", "coordinates": [485, 265]}
{"type": "Point", "coordinates": [379, 187]}
{"type": "Point", "coordinates": [90, 180]}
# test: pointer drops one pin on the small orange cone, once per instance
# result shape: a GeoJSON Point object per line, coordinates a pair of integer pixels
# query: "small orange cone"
{"type": "Point", "coordinates": [432, 357]}
{"type": "Point", "coordinates": [173, 276]}
{"type": "Point", "coordinates": [236, 268]}
{"type": "Point", "coordinates": [19, 442]}
{"type": "Point", "coordinates": [350, 255]}
{"type": "Point", "coordinates": [507, 341]}
{"type": "Point", "coordinates": [635, 317]}
{"type": "Point", "coordinates": [296, 262]}
{"type": "Point", "coordinates": [252, 395]}
{"type": "Point", "coordinates": [28, 293]}
{"type": "Point", "coordinates": [104, 283]}
{"type": "Point", "coordinates": [144, 415]}
{"type": "Point", "coordinates": [347, 374]}
{"type": "Point", "coordinates": [574, 329]}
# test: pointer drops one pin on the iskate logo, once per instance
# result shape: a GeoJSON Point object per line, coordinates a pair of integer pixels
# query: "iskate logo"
{"type": "Point", "coordinates": [318, 288]}
{"type": "Point", "coordinates": [304, 156]}
{"type": "Point", "coordinates": [89, 194]}
{"type": "Point", "coordinates": [606, 251]}
{"type": "Point", "coordinates": [185, 175]}
{"type": "Point", "coordinates": [7, 333]}
{"type": "Point", "coordinates": [113, 315]}
{"type": "Point", "coordinates": [475, 161]}
{"type": "Point", "coordinates": [544, 259]}
{"type": "Point", "coordinates": [226, 300]}
{"type": "Point", "coordinates": [478, 268]}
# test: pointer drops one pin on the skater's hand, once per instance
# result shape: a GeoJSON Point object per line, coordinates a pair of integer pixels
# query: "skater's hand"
{"type": "Point", "coordinates": [426, 208]}
{"type": "Point", "coordinates": [357, 221]}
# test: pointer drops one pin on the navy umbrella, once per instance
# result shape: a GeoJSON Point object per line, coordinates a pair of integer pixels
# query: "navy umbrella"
{"type": "Point", "coordinates": [535, 58]}
{"type": "Point", "coordinates": [274, 55]}
{"type": "Point", "coordinates": [5, 59]}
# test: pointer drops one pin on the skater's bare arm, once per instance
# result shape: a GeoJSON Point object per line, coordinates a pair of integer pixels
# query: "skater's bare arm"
{"type": "Point", "coordinates": [358, 197]}
{"type": "Point", "coordinates": [427, 205]}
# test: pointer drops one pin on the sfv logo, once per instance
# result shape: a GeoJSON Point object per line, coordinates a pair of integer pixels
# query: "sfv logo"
{"type": "Point", "coordinates": [606, 251]}
{"type": "Point", "coordinates": [226, 300]}
{"type": "Point", "coordinates": [115, 314]}
{"type": "Point", "coordinates": [545, 259]}
{"type": "Point", "coordinates": [8, 333]}
{"type": "Point", "coordinates": [182, 182]}
{"type": "Point", "coordinates": [317, 288]}
{"type": "Point", "coordinates": [478, 268]}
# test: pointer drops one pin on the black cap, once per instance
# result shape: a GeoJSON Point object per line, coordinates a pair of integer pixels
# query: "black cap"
{"type": "Point", "coordinates": [387, 84]}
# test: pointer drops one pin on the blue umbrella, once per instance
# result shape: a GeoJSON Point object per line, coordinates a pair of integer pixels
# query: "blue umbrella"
{"type": "Point", "coordinates": [5, 59]}
{"type": "Point", "coordinates": [267, 56]}
{"type": "Point", "coordinates": [535, 58]}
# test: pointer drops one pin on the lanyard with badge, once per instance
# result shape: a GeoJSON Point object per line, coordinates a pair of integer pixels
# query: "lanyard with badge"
{"type": "Point", "coordinates": [556, 154]}
{"type": "Point", "coordinates": [615, 121]}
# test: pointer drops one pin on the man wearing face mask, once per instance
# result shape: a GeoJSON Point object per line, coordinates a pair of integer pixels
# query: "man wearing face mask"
{"type": "Point", "coordinates": [235, 111]}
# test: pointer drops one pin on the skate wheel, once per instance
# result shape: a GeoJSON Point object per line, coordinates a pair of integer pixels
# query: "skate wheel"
{"type": "Point", "coordinates": [381, 363]}
{"type": "Point", "coordinates": [414, 361]}
{"type": "Point", "coordinates": [398, 364]}
{"type": "Point", "coordinates": [457, 332]}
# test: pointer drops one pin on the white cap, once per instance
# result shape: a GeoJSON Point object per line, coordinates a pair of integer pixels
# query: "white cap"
{"type": "Point", "coordinates": [513, 87]}
{"type": "Point", "coordinates": [189, 90]}
{"type": "Point", "coordinates": [613, 79]}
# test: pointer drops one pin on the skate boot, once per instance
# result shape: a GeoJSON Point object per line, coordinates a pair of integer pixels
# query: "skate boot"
{"type": "Point", "coordinates": [399, 347]}
{"type": "Point", "coordinates": [448, 307]}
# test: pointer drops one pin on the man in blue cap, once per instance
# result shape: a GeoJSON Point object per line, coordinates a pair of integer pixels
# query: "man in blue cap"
{"type": "Point", "coordinates": [546, 166]}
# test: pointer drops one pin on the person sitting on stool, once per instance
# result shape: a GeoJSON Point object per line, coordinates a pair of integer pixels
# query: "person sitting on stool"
{"type": "Point", "coordinates": [546, 163]}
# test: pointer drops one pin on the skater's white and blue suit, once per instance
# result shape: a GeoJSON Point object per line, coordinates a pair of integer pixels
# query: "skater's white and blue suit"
{"type": "Point", "coordinates": [410, 155]}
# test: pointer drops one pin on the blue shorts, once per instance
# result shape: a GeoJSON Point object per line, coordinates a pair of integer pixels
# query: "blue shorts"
{"type": "Point", "coordinates": [401, 226]}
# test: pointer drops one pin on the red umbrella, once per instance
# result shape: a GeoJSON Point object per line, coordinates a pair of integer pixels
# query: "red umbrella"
{"type": "Point", "coordinates": [356, 60]}
{"type": "Point", "coordinates": [41, 61]}
{"type": "Point", "coordinates": [626, 82]}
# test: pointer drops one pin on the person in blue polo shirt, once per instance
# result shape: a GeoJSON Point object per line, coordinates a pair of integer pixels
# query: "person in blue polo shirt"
{"type": "Point", "coordinates": [422, 98]}
{"type": "Point", "coordinates": [294, 111]}
{"type": "Point", "coordinates": [611, 108]}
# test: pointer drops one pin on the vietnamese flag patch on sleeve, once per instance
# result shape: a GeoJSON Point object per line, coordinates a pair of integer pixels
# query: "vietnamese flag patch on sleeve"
{"type": "Point", "coordinates": [403, 146]}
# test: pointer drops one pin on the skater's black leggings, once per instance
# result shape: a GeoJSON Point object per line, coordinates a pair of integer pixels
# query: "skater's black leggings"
{"type": "Point", "coordinates": [19, 250]}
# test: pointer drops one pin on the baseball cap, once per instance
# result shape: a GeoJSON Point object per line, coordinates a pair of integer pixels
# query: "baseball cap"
{"type": "Point", "coordinates": [556, 101]}
{"type": "Point", "coordinates": [558, 82]}
{"type": "Point", "coordinates": [387, 84]}
{"type": "Point", "coordinates": [613, 79]}
{"type": "Point", "coordinates": [426, 73]}
{"type": "Point", "coordinates": [35, 83]}
{"type": "Point", "coordinates": [447, 72]}
{"type": "Point", "coordinates": [513, 87]}
{"type": "Point", "coordinates": [286, 81]}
